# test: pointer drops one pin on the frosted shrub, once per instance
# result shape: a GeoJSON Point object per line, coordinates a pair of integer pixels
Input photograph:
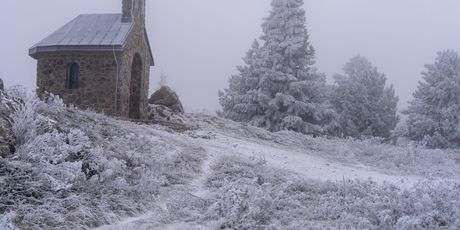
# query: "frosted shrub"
{"type": "Point", "coordinates": [6, 221]}
{"type": "Point", "coordinates": [55, 155]}
{"type": "Point", "coordinates": [234, 203]}
{"type": "Point", "coordinates": [78, 170]}
{"type": "Point", "coordinates": [54, 103]}
{"type": "Point", "coordinates": [40, 179]}
{"type": "Point", "coordinates": [24, 119]}
{"type": "Point", "coordinates": [60, 181]}
{"type": "Point", "coordinates": [399, 135]}
{"type": "Point", "coordinates": [17, 92]}
{"type": "Point", "coordinates": [282, 201]}
{"type": "Point", "coordinates": [245, 204]}
{"type": "Point", "coordinates": [243, 197]}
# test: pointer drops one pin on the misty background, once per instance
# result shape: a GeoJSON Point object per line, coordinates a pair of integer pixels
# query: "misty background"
{"type": "Point", "coordinates": [199, 43]}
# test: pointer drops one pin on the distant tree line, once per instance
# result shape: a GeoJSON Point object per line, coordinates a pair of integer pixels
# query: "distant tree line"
{"type": "Point", "coordinates": [278, 88]}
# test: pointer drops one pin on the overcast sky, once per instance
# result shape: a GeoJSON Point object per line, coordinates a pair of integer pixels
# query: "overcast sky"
{"type": "Point", "coordinates": [198, 43]}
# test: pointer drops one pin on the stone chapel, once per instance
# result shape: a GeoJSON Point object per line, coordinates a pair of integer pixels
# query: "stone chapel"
{"type": "Point", "coordinates": [99, 61]}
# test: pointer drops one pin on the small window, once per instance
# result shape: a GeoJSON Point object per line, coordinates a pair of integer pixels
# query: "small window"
{"type": "Point", "coordinates": [74, 76]}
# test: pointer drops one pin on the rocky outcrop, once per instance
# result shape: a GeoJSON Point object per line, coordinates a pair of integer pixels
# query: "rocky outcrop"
{"type": "Point", "coordinates": [7, 139]}
{"type": "Point", "coordinates": [2, 87]}
{"type": "Point", "coordinates": [166, 109]}
{"type": "Point", "coordinates": [164, 116]}
{"type": "Point", "coordinates": [166, 97]}
{"type": "Point", "coordinates": [161, 112]}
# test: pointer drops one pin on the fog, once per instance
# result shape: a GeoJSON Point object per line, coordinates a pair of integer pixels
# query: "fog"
{"type": "Point", "coordinates": [199, 43]}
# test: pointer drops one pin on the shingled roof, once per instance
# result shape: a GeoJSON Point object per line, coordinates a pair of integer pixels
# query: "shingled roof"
{"type": "Point", "coordinates": [88, 32]}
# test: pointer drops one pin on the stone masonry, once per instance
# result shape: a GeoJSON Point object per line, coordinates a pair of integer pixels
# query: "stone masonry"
{"type": "Point", "coordinates": [97, 79]}
{"type": "Point", "coordinates": [138, 45]}
{"type": "Point", "coordinates": [114, 82]}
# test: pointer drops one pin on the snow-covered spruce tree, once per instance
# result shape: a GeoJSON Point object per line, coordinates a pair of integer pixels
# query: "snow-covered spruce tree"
{"type": "Point", "coordinates": [278, 88]}
{"type": "Point", "coordinates": [364, 105]}
{"type": "Point", "coordinates": [240, 102]}
{"type": "Point", "coordinates": [434, 113]}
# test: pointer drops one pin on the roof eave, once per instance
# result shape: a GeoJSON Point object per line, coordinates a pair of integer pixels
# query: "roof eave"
{"type": "Point", "coordinates": [34, 51]}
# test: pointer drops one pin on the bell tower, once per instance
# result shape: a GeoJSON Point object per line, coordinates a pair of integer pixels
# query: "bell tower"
{"type": "Point", "coordinates": [133, 10]}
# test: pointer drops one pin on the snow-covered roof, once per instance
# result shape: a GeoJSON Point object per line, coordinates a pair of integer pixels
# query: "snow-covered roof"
{"type": "Point", "coordinates": [87, 32]}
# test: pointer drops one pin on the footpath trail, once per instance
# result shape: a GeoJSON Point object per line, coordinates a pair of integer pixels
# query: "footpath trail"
{"type": "Point", "coordinates": [303, 163]}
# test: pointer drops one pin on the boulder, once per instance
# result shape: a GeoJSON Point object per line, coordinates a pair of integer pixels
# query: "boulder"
{"type": "Point", "coordinates": [164, 116]}
{"type": "Point", "coordinates": [159, 112]}
{"type": "Point", "coordinates": [165, 96]}
{"type": "Point", "coordinates": [7, 139]}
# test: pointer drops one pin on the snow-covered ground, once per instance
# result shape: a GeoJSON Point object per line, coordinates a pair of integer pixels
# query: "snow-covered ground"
{"type": "Point", "coordinates": [301, 162]}
{"type": "Point", "coordinates": [218, 174]}
{"type": "Point", "coordinates": [215, 136]}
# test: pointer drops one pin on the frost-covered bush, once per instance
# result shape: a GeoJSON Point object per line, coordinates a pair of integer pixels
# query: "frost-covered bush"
{"type": "Point", "coordinates": [6, 221]}
{"type": "Point", "coordinates": [24, 120]}
{"type": "Point", "coordinates": [42, 181]}
{"type": "Point", "coordinates": [434, 114]}
{"type": "Point", "coordinates": [245, 202]}
{"type": "Point", "coordinates": [17, 92]}
{"type": "Point", "coordinates": [78, 170]}
{"type": "Point", "coordinates": [256, 198]}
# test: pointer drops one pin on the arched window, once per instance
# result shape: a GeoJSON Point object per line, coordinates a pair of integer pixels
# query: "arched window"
{"type": "Point", "coordinates": [74, 76]}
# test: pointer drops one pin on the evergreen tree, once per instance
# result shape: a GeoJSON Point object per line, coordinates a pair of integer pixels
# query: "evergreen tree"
{"type": "Point", "coordinates": [278, 88]}
{"type": "Point", "coordinates": [364, 105]}
{"type": "Point", "coordinates": [240, 101]}
{"type": "Point", "coordinates": [434, 113]}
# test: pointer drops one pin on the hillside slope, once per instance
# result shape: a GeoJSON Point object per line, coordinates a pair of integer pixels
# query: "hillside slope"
{"type": "Point", "coordinates": [340, 162]}
{"type": "Point", "coordinates": [77, 169]}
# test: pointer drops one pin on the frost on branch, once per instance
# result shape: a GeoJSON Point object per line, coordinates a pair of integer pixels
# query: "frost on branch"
{"type": "Point", "coordinates": [366, 107]}
{"type": "Point", "coordinates": [7, 137]}
{"type": "Point", "coordinates": [79, 170]}
{"type": "Point", "coordinates": [434, 113]}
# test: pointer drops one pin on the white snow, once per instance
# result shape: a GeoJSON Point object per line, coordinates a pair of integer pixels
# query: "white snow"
{"type": "Point", "coordinates": [215, 173]}
{"type": "Point", "coordinates": [305, 164]}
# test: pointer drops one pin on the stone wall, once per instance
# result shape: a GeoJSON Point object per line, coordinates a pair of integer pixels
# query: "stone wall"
{"type": "Point", "coordinates": [96, 84]}
{"type": "Point", "coordinates": [138, 11]}
{"type": "Point", "coordinates": [137, 44]}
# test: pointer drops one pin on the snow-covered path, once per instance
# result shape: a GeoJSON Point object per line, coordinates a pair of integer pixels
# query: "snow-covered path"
{"type": "Point", "coordinates": [305, 164]}
{"type": "Point", "coordinates": [198, 184]}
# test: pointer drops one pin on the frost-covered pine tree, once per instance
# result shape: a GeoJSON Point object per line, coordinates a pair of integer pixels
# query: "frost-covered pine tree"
{"type": "Point", "coordinates": [365, 106]}
{"type": "Point", "coordinates": [278, 88]}
{"type": "Point", "coordinates": [434, 113]}
{"type": "Point", "coordinates": [240, 101]}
